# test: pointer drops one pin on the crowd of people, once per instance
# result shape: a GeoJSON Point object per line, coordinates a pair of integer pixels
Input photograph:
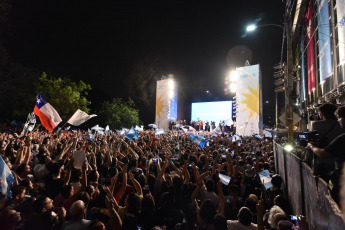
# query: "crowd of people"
{"type": "Point", "coordinates": [152, 182]}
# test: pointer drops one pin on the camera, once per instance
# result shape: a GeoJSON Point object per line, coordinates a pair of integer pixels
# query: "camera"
{"type": "Point", "coordinates": [304, 138]}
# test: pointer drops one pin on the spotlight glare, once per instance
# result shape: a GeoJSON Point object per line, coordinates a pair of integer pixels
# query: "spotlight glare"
{"type": "Point", "coordinates": [288, 147]}
{"type": "Point", "coordinates": [171, 84]}
{"type": "Point", "coordinates": [233, 76]}
{"type": "Point", "coordinates": [251, 28]}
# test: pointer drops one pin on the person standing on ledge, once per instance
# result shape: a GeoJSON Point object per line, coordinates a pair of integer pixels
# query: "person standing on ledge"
{"type": "Point", "coordinates": [328, 129]}
{"type": "Point", "coordinates": [334, 150]}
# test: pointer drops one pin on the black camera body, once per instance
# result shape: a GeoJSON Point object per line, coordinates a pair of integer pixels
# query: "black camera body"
{"type": "Point", "coordinates": [308, 137]}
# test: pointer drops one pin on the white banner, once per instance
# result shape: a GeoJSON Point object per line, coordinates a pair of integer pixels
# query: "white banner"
{"type": "Point", "coordinates": [248, 98]}
{"type": "Point", "coordinates": [162, 104]}
{"type": "Point", "coordinates": [79, 117]}
{"type": "Point", "coordinates": [341, 30]}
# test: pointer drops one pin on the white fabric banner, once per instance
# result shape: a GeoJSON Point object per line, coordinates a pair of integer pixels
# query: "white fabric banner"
{"type": "Point", "coordinates": [79, 117]}
{"type": "Point", "coordinates": [162, 104]}
{"type": "Point", "coordinates": [248, 97]}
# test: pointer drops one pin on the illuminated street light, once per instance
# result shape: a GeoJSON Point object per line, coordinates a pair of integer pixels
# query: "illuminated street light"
{"type": "Point", "coordinates": [251, 28]}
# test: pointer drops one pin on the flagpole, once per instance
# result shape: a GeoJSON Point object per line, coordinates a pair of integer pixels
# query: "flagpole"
{"type": "Point", "coordinates": [63, 125]}
{"type": "Point", "coordinates": [36, 127]}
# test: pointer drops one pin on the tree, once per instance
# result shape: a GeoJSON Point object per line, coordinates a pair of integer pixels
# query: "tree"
{"type": "Point", "coordinates": [119, 113]}
{"type": "Point", "coordinates": [140, 83]}
{"type": "Point", "coordinates": [64, 95]}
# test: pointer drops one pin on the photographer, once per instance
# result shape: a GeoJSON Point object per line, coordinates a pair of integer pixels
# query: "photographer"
{"type": "Point", "coordinates": [328, 129]}
{"type": "Point", "coordinates": [336, 150]}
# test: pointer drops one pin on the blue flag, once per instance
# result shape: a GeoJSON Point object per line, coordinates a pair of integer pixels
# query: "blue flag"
{"type": "Point", "coordinates": [6, 179]}
{"type": "Point", "coordinates": [132, 133]}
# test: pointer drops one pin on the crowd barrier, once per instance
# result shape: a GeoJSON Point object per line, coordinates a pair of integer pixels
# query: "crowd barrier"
{"type": "Point", "coordinates": [308, 194]}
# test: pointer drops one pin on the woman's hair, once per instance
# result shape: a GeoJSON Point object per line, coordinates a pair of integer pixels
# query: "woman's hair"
{"type": "Point", "coordinates": [275, 215]}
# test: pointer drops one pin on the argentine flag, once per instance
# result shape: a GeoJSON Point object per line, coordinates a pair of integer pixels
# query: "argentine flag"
{"type": "Point", "coordinates": [200, 140]}
{"type": "Point", "coordinates": [6, 179]}
{"type": "Point", "coordinates": [139, 128]}
{"type": "Point", "coordinates": [217, 131]}
{"type": "Point", "coordinates": [132, 133]}
{"type": "Point", "coordinates": [159, 131]}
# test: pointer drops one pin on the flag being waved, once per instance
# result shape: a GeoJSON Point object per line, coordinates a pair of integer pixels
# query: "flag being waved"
{"type": "Point", "coordinates": [132, 133]}
{"type": "Point", "coordinates": [79, 117]}
{"type": "Point", "coordinates": [47, 114]}
{"type": "Point", "coordinates": [7, 179]}
{"type": "Point", "coordinates": [200, 140]}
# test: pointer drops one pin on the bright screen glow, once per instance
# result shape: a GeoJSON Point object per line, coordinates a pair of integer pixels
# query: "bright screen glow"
{"type": "Point", "coordinates": [212, 111]}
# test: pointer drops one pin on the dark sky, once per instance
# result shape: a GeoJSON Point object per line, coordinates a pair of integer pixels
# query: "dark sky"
{"type": "Point", "coordinates": [198, 41]}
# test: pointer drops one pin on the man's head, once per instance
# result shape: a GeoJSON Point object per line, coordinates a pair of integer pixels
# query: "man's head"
{"type": "Point", "coordinates": [245, 216]}
{"type": "Point", "coordinates": [340, 114]}
{"type": "Point", "coordinates": [77, 210]}
{"type": "Point", "coordinates": [326, 111]}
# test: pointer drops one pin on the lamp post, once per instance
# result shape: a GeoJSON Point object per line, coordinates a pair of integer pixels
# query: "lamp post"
{"type": "Point", "coordinates": [288, 76]}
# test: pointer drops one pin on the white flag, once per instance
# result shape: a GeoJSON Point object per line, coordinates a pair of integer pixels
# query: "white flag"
{"type": "Point", "coordinates": [79, 117]}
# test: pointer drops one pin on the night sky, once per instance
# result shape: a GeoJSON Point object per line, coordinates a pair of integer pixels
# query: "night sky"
{"type": "Point", "coordinates": [99, 41]}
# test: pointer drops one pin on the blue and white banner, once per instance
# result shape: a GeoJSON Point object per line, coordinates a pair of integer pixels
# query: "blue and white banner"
{"type": "Point", "coordinates": [324, 39]}
{"type": "Point", "coordinates": [341, 30]}
{"type": "Point", "coordinates": [6, 179]}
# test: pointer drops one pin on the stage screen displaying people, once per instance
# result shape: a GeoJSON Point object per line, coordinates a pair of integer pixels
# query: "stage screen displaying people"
{"type": "Point", "coordinates": [212, 111]}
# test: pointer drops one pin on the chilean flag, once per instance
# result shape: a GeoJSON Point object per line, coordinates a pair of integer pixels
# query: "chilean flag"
{"type": "Point", "coordinates": [47, 114]}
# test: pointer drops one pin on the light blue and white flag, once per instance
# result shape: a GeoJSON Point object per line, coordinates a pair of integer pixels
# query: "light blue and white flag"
{"type": "Point", "coordinates": [217, 131]}
{"type": "Point", "coordinates": [139, 129]}
{"type": "Point", "coordinates": [107, 128]}
{"type": "Point", "coordinates": [68, 127]}
{"type": "Point", "coordinates": [258, 136]}
{"type": "Point", "coordinates": [123, 131]}
{"type": "Point", "coordinates": [266, 178]}
{"type": "Point", "coordinates": [224, 179]}
{"type": "Point", "coordinates": [268, 133]}
{"type": "Point", "coordinates": [178, 126]}
{"type": "Point", "coordinates": [58, 129]}
{"type": "Point", "coordinates": [200, 140]}
{"type": "Point", "coordinates": [159, 131]}
{"type": "Point", "coordinates": [97, 127]}
{"type": "Point", "coordinates": [132, 134]}
{"type": "Point", "coordinates": [6, 179]}
{"type": "Point", "coordinates": [153, 126]}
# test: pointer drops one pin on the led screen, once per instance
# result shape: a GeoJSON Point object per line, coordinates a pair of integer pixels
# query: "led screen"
{"type": "Point", "coordinates": [212, 111]}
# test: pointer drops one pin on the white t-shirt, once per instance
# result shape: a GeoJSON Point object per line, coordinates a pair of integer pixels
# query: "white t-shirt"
{"type": "Point", "coordinates": [76, 225]}
{"type": "Point", "coordinates": [235, 225]}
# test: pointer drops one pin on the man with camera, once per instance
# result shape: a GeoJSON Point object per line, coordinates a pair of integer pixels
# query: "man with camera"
{"type": "Point", "coordinates": [334, 150]}
{"type": "Point", "coordinates": [328, 129]}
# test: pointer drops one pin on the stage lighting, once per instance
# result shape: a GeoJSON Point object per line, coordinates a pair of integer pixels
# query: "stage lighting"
{"type": "Point", "coordinates": [171, 84]}
{"type": "Point", "coordinates": [233, 76]}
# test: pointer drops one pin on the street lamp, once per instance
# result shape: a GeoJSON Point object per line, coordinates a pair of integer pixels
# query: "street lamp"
{"type": "Point", "coordinates": [288, 72]}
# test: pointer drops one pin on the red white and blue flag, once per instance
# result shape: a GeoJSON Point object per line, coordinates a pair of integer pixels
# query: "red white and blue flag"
{"type": "Point", "coordinates": [47, 114]}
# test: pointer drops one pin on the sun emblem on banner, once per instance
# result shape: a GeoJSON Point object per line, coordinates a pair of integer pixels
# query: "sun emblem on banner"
{"type": "Point", "coordinates": [160, 107]}
{"type": "Point", "coordinates": [252, 101]}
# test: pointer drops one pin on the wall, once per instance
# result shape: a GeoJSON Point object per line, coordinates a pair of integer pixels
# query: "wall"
{"type": "Point", "coordinates": [309, 195]}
